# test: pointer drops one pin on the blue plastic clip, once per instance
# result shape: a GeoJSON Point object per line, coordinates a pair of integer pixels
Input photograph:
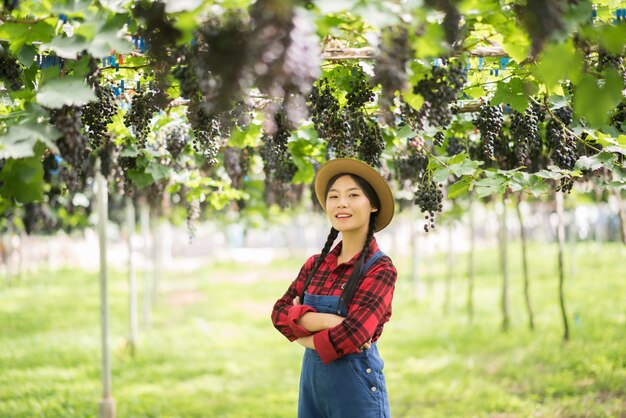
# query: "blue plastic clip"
{"type": "Point", "coordinates": [122, 85]}
{"type": "Point", "coordinates": [116, 91]}
{"type": "Point", "coordinates": [142, 45]}
{"type": "Point", "coordinates": [104, 62]}
{"type": "Point", "coordinates": [63, 18]}
{"type": "Point", "coordinates": [150, 85]}
{"type": "Point", "coordinates": [504, 61]}
{"type": "Point", "coordinates": [507, 109]}
{"type": "Point", "coordinates": [480, 63]}
{"type": "Point", "coordinates": [496, 71]}
{"type": "Point", "coordinates": [138, 85]}
{"type": "Point", "coordinates": [490, 71]}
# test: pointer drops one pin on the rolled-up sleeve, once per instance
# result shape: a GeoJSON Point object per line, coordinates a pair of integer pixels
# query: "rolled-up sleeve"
{"type": "Point", "coordinates": [285, 315]}
{"type": "Point", "coordinates": [370, 307]}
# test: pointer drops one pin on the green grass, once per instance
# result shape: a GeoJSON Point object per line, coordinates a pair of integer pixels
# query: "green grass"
{"type": "Point", "coordinates": [212, 352]}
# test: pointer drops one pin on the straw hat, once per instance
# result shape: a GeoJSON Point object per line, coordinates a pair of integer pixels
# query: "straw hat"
{"type": "Point", "coordinates": [369, 174]}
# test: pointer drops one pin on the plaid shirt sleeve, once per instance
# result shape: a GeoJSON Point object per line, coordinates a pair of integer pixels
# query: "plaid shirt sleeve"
{"type": "Point", "coordinates": [285, 314]}
{"type": "Point", "coordinates": [370, 307]}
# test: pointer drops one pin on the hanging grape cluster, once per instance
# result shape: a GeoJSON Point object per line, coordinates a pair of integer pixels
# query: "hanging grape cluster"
{"type": "Point", "coordinates": [455, 145]}
{"type": "Point", "coordinates": [429, 198]}
{"type": "Point", "coordinates": [176, 136]}
{"type": "Point", "coordinates": [440, 89]}
{"type": "Point", "coordinates": [97, 115]}
{"type": "Point", "coordinates": [72, 144]}
{"type": "Point", "coordinates": [525, 132]}
{"type": "Point", "coordinates": [207, 129]}
{"type": "Point", "coordinates": [562, 143]}
{"type": "Point", "coordinates": [394, 51]}
{"type": "Point", "coordinates": [489, 123]}
{"type": "Point", "coordinates": [411, 164]}
{"type": "Point", "coordinates": [10, 71]}
{"type": "Point", "coordinates": [142, 108]}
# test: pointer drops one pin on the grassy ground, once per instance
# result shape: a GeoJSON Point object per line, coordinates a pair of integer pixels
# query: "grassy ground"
{"type": "Point", "coordinates": [212, 352]}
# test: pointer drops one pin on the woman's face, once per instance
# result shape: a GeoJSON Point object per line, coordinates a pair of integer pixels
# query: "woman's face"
{"type": "Point", "coordinates": [347, 207]}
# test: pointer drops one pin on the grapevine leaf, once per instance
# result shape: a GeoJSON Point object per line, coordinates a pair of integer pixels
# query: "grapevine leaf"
{"type": "Point", "coordinates": [460, 187]}
{"type": "Point", "coordinates": [23, 179]}
{"type": "Point", "coordinates": [511, 93]}
{"type": "Point", "coordinates": [249, 137]}
{"type": "Point", "coordinates": [489, 186]}
{"type": "Point", "coordinates": [54, 93]}
{"type": "Point", "coordinates": [27, 55]}
{"type": "Point", "coordinates": [140, 179]}
{"type": "Point", "coordinates": [616, 148]}
{"type": "Point", "coordinates": [108, 40]}
{"type": "Point", "coordinates": [537, 186]}
{"type": "Point", "coordinates": [19, 140]}
{"type": "Point", "coordinates": [159, 171]}
{"type": "Point", "coordinates": [440, 175]}
{"type": "Point", "coordinates": [548, 174]}
{"type": "Point", "coordinates": [603, 159]}
{"type": "Point", "coordinates": [595, 101]}
{"type": "Point", "coordinates": [22, 34]}
{"type": "Point", "coordinates": [67, 47]}
{"type": "Point", "coordinates": [130, 151]}
{"type": "Point", "coordinates": [466, 167]}
{"type": "Point", "coordinates": [558, 62]}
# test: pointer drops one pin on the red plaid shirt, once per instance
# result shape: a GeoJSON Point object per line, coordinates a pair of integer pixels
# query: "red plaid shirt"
{"type": "Point", "coordinates": [369, 310]}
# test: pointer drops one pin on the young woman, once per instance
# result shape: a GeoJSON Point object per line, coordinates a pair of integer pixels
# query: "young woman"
{"type": "Point", "coordinates": [341, 299]}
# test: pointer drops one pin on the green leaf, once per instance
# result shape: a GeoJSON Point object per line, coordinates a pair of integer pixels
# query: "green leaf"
{"type": "Point", "coordinates": [22, 34]}
{"type": "Point", "coordinates": [595, 101]}
{"type": "Point", "coordinates": [54, 93]}
{"type": "Point", "coordinates": [68, 48]}
{"type": "Point", "coordinates": [23, 179]}
{"type": "Point", "coordinates": [140, 179]}
{"type": "Point", "coordinates": [489, 186]}
{"type": "Point", "coordinates": [248, 137]}
{"type": "Point", "coordinates": [440, 175]}
{"type": "Point", "coordinates": [602, 159]}
{"type": "Point", "coordinates": [175, 6]}
{"type": "Point", "coordinates": [460, 187]}
{"type": "Point", "coordinates": [27, 55]}
{"type": "Point", "coordinates": [159, 171]}
{"type": "Point", "coordinates": [19, 140]}
{"type": "Point", "coordinates": [108, 40]}
{"type": "Point", "coordinates": [511, 93]}
{"type": "Point", "coordinates": [549, 174]}
{"type": "Point", "coordinates": [516, 42]}
{"type": "Point", "coordinates": [558, 62]}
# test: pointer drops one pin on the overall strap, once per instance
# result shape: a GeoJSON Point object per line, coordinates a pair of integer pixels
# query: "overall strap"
{"type": "Point", "coordinates": [372, 260]}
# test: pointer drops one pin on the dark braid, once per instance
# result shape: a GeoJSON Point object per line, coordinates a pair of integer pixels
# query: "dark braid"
{"type": "Point", "coordinates": [332, 236]}
{"type": "Point", "coordinates": [355, 277]}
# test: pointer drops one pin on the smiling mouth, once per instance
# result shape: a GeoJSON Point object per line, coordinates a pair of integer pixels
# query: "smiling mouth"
{"type": "Point", "coordinates": [343, 216]}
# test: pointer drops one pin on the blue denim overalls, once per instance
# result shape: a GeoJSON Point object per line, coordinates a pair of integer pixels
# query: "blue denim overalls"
{"type": "Point", "coordinates": [353, 386]}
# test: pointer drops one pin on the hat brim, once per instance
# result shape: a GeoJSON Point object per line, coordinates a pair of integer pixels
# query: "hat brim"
{"type": "Point", "coordinates": [352, 166]}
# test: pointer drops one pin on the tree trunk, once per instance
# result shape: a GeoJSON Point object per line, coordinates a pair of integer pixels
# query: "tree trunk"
{"type": "Point", "coordinates": [144, 216]}
{"type": "Point", "coordinates": [529, 308]}
{"type": "Point", "coordinates": [470, 264]}
{"type": "Point", "coordinates": [561, 237]}
{"type": "Point", "coordinates": [133, 338]}
{"type": "Point", "coordinates": [504, 268]}
{"type": "Point", "coordinates": [157, 257]}
{"type": "Point", "coordinates": [106, 407]}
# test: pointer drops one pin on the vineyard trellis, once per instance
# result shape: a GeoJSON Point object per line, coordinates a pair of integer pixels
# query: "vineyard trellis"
{"type": "Point", "coordinates": [195, 109]}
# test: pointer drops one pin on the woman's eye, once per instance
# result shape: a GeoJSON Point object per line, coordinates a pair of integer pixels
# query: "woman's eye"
{"type": "Point", "coordinates": [332, 197]}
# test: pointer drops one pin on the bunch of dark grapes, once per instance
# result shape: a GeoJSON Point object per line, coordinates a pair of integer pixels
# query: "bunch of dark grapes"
{"type": "Point", "coordinates": [10, 5]}
{"type": "Point", "coordinates": [193, 214]}
{"type": "Point", "coordinates": [234, 164]}
{"type": "Point", "coordinates": [97, 115]}
{"type": "Point", "coordinates": [411, 165]}
{"type": "Point", "coordinates": [188, 82]}
{"type": "Point", "coordinates": [438, 138]}
{"type": "Point", "coordinates": [324, 108]}
{"type": "Point", "coordinates": [142, 107]}
{"type": "Point", "coordinates": [608, 60]}
{"type": "Point", "coordinates": [394, 51]}
{"type": "Point", "coordinates": [176, 137]}
{"type": "Point", "coordinates": [10, 71]}
{"type": "Point", "coordinates": [505, 151]}
{"type": "Point", "coordinates": [416, 119]}
{"type": "Point", "coordinates": [542, 18]}
{"type": "Point", "coordinates": [108, 154]}
{"type": "Point", "coordinates": [276, 155]}
{"type": "Point", "coordinates": [154, 195]}
{"type": "Point", "coordinates": [371, 141]}
{"type": "Point", "coordinates": [360, 91]}
{"type": "Point", "coordinates": [563, 144]}
{"type": "Point", "coordinates": [38, 219]}
{"type": "Point", "coordinates": [489, 123]}
{"type": "Point", "coordinates": [455, 145]}
{"type": "Point", "coordinates": [72, 144]}
{"type": "Point", "coordinates": [525, 132]}
{"type": "Point", "coordinates": [208, 135]}
{"type": "Point", "coordinates": [439, 90]}
{"type": "Point", "coordinates": [429, 198]}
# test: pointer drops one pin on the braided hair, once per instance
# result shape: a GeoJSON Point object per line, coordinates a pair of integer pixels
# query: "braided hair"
{"type": "Point", "coordinates": [355, 277]}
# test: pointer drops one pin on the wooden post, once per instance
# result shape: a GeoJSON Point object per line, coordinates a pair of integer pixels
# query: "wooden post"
{"type": "Point", "coordinates": [470, 264]}
{"type": "Point", "coordinates": [133, 338]}
{"type": "Point", "coordinates": [560, 231]}
{"type": "Point", "coordinates": [415, 275]}
{"type": "Point", "coordinates": [448, 291]}
{"type": "Point", "coordinates": [144, 216]}
{"type": "Point", "coordinates": [504, 268]}
{"type": "Point", "coordinates": [106, 407]}
{"type": "Point", "coordinates": [520, 218]}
